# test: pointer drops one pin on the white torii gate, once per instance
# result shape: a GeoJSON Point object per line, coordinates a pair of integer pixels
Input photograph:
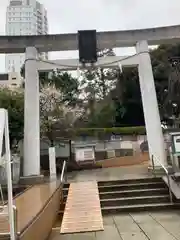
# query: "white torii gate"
{"type": "Point", "coordinates": [149, 99]}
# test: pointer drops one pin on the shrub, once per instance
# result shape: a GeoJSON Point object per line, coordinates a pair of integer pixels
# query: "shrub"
{"type": "Point", "coordinates": [101, 133]}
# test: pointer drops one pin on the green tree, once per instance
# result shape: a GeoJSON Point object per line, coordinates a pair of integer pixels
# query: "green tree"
{"type": "Point", "coordinates": [13, 101]}
{"type": "Point", "coordinates": [103, 117]}
{"type": "Point", "coordinates": [96, 85]}
{"type": "Point", "coordinates": [53, 114]}
{"type": "Point", "coordinates": [168, 100]}
{"type": "Point", "coordinates": [129, 111]}
{"type": "Point", "coordinates": [64, 82]}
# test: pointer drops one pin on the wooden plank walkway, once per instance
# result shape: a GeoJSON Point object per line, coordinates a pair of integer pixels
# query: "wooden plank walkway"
{"type": "Point", "coordinates": [4, 221]}
{"type": "Point", "coordinates": [82, 210]}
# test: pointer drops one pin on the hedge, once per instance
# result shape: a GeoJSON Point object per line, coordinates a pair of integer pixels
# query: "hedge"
{"type": "Point", "coordinates": [101, 132]}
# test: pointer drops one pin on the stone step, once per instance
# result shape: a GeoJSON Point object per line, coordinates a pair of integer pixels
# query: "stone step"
{"type": "Point", "coordinates": [129, 200]}
{"type": "Point", "coordinates": [132, 193]}
{"type": "Point", "coordinates": [129, 181]}
{"type": "Point", "coordinates": [66, 185]}
{"type": "Point", "coordinates": [65, 191]}
{"type": "Point", "coordinates": [134, 200]}
{"type": "Point", "coordinates": [125, 181]}
{"type": "Point", "coordinates": [129, 193]}
{"type": "Point", "coordinates": [175, 187]}
{"type": "Point", "coordinates": [131, 186]}
{"type": "Point", "coordinates": [5, 236]}
{"type": "Point", "coordinates": [139, 208]}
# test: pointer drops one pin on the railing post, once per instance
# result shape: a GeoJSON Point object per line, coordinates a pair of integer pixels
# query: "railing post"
{"type": "Point", "coordinates": [168, 178]}
{"type": "Point", "coordinates": [9, 177]}
{"type": "Point", "coordinates": [170, 193]}
{"type": "Point", "coordinates": [65, 174]}
{"type": "Point", "coordinates": [62, 172]}
{"type": "Point", "coordinates": [15, 221]}
{"type": "Point", "coordinates": [153, 165]}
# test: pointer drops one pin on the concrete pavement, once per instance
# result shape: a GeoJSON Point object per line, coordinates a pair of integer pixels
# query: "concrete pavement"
{"type": "Point", "coordinates": [109, 174]}
{"type": "Point", "coordinates": [137, 226]}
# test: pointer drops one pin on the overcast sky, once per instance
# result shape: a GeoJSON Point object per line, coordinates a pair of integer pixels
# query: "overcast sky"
{"type": "Point", "coordinates": [73, 15]}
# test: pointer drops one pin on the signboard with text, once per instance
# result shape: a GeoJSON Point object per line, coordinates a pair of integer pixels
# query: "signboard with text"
{"type": "Point", "coordinates": [175, 143]}
{"type": "Point", "coordinates": [84, 154]}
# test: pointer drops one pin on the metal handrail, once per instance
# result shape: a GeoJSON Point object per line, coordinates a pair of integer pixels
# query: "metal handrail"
{"type": "Point", "coordinates": [15, 220]}
{"type": "Point", "coordinates": [167, 173]}
{"type": "Point", "coordinates": [63, 171]}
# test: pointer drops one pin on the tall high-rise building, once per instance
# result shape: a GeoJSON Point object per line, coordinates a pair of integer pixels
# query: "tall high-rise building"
{"type": "Point", "coordinates": [24, 17]}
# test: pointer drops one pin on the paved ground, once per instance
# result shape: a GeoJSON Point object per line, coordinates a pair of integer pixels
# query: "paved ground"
{"type": "Point", "coordinates": [142, 226]}
{"type": "Point", "coordinates": [106, 174]}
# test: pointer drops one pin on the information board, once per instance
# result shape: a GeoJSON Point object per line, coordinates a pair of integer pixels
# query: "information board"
{"type": "Point", "coordinates": [176, 143]}
{"type": "Point", "coordinates": [84, 154]}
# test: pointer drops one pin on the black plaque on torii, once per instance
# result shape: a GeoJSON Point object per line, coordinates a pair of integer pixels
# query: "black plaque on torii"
{"type": "Point", "coordinates": [87, 45]}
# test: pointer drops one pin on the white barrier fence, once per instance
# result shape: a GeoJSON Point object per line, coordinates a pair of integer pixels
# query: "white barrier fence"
{"type": "Point", "coordinates": [15, 171]}
{"type": "Point", "coordinates": [6, 163]}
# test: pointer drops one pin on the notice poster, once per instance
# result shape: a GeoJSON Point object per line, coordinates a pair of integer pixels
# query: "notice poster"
{"type": "Point", "coordinates": [84, 154]}
{"type": "Point", "coordinates": [176, 143]}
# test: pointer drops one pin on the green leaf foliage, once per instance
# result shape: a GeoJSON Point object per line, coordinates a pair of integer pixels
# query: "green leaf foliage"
{"type": "Point", "coordinates": [13, 101]}
{"type": "Point", "coordinates": [103, 132]}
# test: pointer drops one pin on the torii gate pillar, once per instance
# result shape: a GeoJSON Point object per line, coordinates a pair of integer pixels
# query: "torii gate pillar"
{"type": "Point", "coordinates": [150, 105]}
{"type": "Point", "coordinates": [31, 115]}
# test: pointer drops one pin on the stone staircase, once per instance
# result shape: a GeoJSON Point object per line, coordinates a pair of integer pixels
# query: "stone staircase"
{"type": "Point", "coordinates": [134, 195]}
{"type": "Point", "coordinates": [120, 196]}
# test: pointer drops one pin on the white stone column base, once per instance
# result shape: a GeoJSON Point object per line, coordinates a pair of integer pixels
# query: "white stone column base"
{"type": "Point", "coordinates": [52, 163]}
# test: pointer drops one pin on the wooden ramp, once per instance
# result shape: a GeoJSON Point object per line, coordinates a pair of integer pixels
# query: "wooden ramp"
{"type": "Point", "coordinates": [4, 222]}
{"type": "Point", "coordinates": [82, 210]}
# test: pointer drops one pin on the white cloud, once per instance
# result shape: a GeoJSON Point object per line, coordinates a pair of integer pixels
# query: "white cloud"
{"type": "Point", "coordinates": [72, 15]}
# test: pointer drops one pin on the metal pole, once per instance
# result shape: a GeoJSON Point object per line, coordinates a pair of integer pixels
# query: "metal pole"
{"type": "Point", "coordinates": [2, 197]}
{"type": "Point", "coordinates": [170, 193]}
{"type": "Point", "coordinates": [152, 158]}
{"type": "Point", "coordinates": [9, 178]}
{"type": "Point", "coordinates": [62, 172]}
{"type": "Point", "coordinates": [70, 150]}
{"type": "Point", "coordinates": [15, 220]}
